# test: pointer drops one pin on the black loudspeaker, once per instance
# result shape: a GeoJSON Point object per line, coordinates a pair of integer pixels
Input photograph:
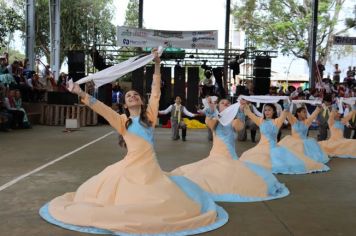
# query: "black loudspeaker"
{"type": "Point", "coordinates": [179, 82]}
{"type": "Point", "coordinates": [262, 75]}
{"type": "Point", "coordinates": [193, 88]}
{"type": "Point", "coordinates": [137, 80]}
{"type": "Point", "coordinates": [62, 98]}
{"type": "Point", "coordinates": [76, 65]}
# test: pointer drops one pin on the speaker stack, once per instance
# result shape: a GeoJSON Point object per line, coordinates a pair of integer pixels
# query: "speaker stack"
{"type": "Point", "coordinates": [76, 65]}
{"type": "Point", "coordinates": [261, 75]}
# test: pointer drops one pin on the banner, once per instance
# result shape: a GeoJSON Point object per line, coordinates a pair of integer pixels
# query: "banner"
{"type": "Point", "coordinates": [339, 40]}
{"type": "Point", "coordinates": [135, 37]}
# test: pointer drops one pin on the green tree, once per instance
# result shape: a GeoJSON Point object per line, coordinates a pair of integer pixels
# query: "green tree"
{"type": "Point", "coordinates": [285, 25]}
{"type": "Point", "coordinates": [131, 14]}
{"type": "Point", "coordinates": [131, 20]}
{"type": "Point", "coordinates": [83, 23]}
{"type": "Point", "coordinates": [351, 22]}
{"type": "Point", "coordinates": [13, 54]}
{"type": "Point", "coordinates": [10, 21]}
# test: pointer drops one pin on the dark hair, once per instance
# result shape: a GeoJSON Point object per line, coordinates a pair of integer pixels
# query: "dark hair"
{"type": "Point", "coordinates": [144, 121]}
{"type": "Point", "coordinates": [299, 110]}
{"type": "Point", "coordinates": [274, 116]}
{"type": "Point", "coordinates": [328, 98]}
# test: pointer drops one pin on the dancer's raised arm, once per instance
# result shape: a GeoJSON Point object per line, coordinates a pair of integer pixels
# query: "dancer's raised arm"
{"type": "Point", "coordinates": [291, 118]}
{"type": "Point", "coordinates": [313, 116]}
{"type": "Point", "coordinates": [348, 117]}
{"type": "Point", "coordinates": [211, 120]}
{"type": "Point", "coordinates": [279, 121]}
{"type": "Point", "coordinates": [257, 120]}
{"type": "Point", "coordinates": [153, 103]}
{"type": "Point", "coordinates": [116, 120]}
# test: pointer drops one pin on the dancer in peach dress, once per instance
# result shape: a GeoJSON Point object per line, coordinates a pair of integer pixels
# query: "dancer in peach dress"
{"type": "Point", "coordinates": [267, 153]}
{"type": "Point", "coordinates": [134, 196]}
{"type": "Point", "coordinates": [299, 142]}
{"type": "Point", "coordinates": [224, 176]}
{"type": "Point", "coordinates": [337, 145]}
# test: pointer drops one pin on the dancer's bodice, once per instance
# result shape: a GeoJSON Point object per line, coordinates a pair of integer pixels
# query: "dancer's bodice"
{"type": "Point", "coordinates": [228, 136]}
{"type": "Point", "coordinates": [270, 131]}
{"type": "Point", "coordinates": [301, 129]}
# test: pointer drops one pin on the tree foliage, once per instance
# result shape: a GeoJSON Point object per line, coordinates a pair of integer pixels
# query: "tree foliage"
{"type": "Point", "coordinates": [131, 20]}
{"type": "Point", "coordinates": [10, 21]}
{"type": "Point", "coordinates": [83, 23]}
{"type": "Point", "coordinates": [351, 22]}
{"type": "Point", "coordinates": [13, 54]}
{"type": "Point", "coordinates": [131, 14]}
{"type": "Point", "coordinates": [285, 24]}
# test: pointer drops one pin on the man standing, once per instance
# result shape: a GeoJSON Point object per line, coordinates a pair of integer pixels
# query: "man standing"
{"type": "Point", "coordinates": [249, 124]}
{"type": "Point", "coordinates": [177, 122]}
{"type": "Point", "coordinates": [351, 126]}
{"type": "Point", "coordinates": [323, 118]}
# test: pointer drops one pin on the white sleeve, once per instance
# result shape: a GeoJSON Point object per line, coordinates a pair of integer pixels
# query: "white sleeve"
{"type": "Point", "coordinates": [187, 113]}
{"type": "Point", "coordinates": [168, 110]}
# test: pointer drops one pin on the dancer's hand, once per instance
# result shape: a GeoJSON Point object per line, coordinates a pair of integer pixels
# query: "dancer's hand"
{"type": "Point", "coordinates": [211, 104]}
{"type": "Point", "coordinates": [74, 88]}
{"type": "Point", "coordinates": [157, 59]}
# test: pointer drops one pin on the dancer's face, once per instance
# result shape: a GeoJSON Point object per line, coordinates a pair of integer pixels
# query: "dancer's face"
{"type": "Point", "coordinates": [133, 99]}
{"type": "Point", "coordinates": [302, 115]}
{"type": "Point", "coordinates": [178, 100]}
{"type": "Point", "coordinates": [223, 104]}
{"type": "Point", "coordinates": [268, 112]}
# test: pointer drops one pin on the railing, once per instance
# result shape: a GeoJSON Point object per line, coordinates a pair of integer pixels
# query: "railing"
{"type": "Point", "coordinates": [53, 114]}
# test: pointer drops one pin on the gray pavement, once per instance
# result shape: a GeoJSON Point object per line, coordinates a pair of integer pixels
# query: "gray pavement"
{"type": "Point", "coordinates": [319, 204]}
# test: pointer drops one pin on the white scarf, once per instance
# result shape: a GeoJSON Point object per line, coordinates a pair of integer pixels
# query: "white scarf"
{"type": "Point", "coordinates": [114, 72]}
{"type": "Point", "coordinates": [311, 102]}
{"type": "Point", "coordinates": [351, 101]}
{"type": "Point", "coordinates": [205, 101]}
{"type": "Point", "coordinates": [263, 99]}
{"type": "Point", "coordinates": [228, 115]}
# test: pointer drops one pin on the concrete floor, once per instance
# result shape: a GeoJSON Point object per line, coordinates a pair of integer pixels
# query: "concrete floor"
{"type": "Point", "coordinates": [319, 204]}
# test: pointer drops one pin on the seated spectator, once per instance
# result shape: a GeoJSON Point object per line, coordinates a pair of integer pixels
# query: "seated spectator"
{"type": "Point", "coordinates": [18, 104]}
{"type": "Point", "coordinates": [5, 117]}
{"type": "Point", "coordinates": [6, 78]}
{"type": "Point", "coordinates": [10, 106]}
{"type": "Point", "coordinates": [47, 79]}
{"type": "Point", "coordinates": [62, 82]}
{"type": "Point", "coordinates": [38, 89]}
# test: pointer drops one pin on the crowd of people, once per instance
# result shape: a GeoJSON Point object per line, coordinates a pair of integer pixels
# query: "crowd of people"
{"type": "Point", "coordinates": [18, 84]}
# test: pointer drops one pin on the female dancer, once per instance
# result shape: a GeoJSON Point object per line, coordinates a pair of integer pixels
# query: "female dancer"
{"type": "Point", "coordinates": [134, 196]}
{"type": "Point", "coordinates": [299, 142]}
{"type": "Point", "coordinates": [337, 145]}
{"type": "Point", "coordinates": [269, 154]}
{"type": "Point", "coordinates": [224, 176]}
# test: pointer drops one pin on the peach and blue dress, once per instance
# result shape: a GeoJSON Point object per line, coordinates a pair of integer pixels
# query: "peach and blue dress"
{"type": "Point", "coordinates": [300, 143]}
{"type": "Point", "coordinates": [337, 145]}
{"type": "Point", "coordinates": [225, 177]}
{"type": "Point", "coordinates": [134, 196]}
{"type": "Point", "coordinates": [276, 158]}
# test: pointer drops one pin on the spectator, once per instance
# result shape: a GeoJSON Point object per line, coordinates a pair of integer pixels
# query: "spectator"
{"type": "Point", "coordinates": [337, 72]}
{"type": "Point", "coordinates": [10, 106]}
{"type": "Point", "coordinates": [5, 116]}
{"type": "Point", "coordinates": [18, 104]}
{"type": "Point", "coordinates": [5, 77]}
{"type": "Point", "coordinates": [62, 82]}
